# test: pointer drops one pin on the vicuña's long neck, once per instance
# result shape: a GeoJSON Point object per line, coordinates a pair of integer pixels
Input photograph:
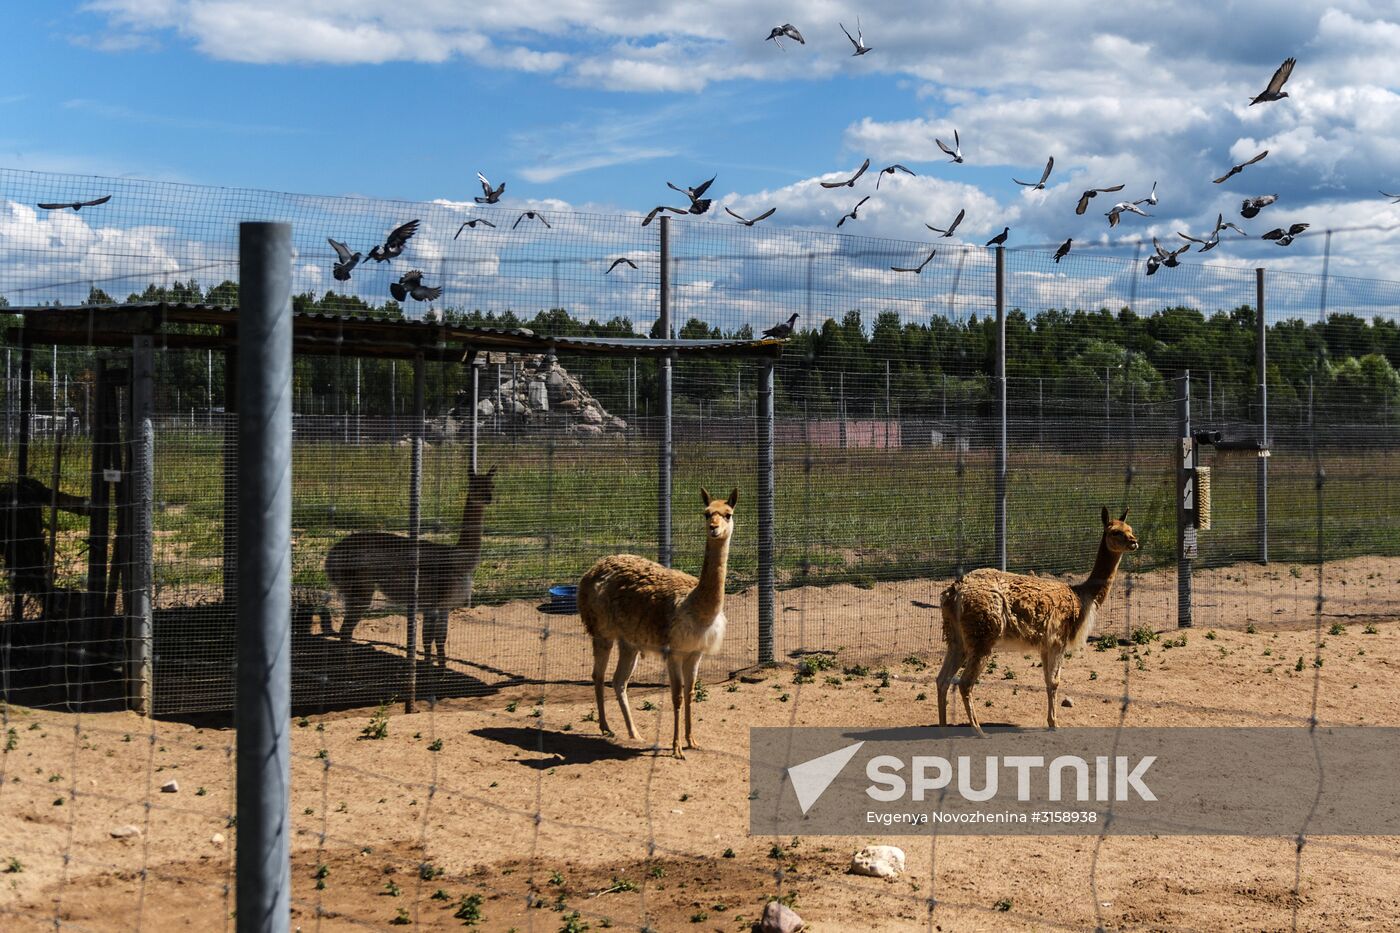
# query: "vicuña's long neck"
{"type": "Point", "coordinates": [469, 535]}
{"type": "Point", "coordinates": [1101, 577]}
{"type": "Point", "coordinates": [707, 599]}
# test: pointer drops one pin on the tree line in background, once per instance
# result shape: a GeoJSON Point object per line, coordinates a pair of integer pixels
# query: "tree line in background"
{"type": "Point", "coordinates": [861, 364]}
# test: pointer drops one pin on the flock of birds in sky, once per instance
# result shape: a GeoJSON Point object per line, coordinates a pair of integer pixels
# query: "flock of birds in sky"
{"type": "Point", "coordinates": [410, 284]}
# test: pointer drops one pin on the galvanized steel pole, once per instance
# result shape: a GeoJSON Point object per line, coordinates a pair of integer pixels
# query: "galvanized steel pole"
{"type": "Point", "coordinates": [142, 513]}
{"type": "Point", "coordinates": [1261, 366]}
{"type": "Point", "coordinates": [415, 528]}
{"type": "Point", "coordinates": [766, 514]}
{"type": "Point", "coordinates": [664, 465]}
{"type": "Point", "coordinates": [263, 709]}
{"type": "Point", "coordinates": [1183, 562]}
{"type": "Point", "coordinates": [1001, 409]}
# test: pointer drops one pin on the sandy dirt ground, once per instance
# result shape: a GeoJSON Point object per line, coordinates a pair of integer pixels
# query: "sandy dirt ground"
{"type": "Point", "coordinates": [512, 808]}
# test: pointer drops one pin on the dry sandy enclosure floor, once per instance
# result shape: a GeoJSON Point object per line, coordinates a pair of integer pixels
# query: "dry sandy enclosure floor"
{"type": "Point", "coordinates": [399, 830]}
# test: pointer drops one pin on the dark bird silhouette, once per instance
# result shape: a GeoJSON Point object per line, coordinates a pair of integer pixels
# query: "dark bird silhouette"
{"type": "Point", "coordinates": [1250, 207]}
{"type": "Point", "coordinates": [1275, 89]}
{"type": "Point", "coordinates": [749, 223]}
{"type": "Point", "coordinates": [1153, 263]}
{"type": "Point", "coordinates": [695, 193]}
{"type": "Point", "coordinates": [854, 211]}
{"type": "Point", "coordinates": [1284, 237]}
{"type": "Point", "coordinates": [620, 261]}
{"type": "Point", "coordinates": [1038, 185]}
{"type": "Point", "coordinates": [858, 41]}
{"type": "Point", "coordinates": [1240, 168]}
{"type": "Point", "coordinates": [1395, 197]}
{"type": "Point", "coordinates": [75, 205]}
{"type": "Point", "coordinates": [785, 31]}
{"type": "Point", "coordinates": [1064, 249]}
{"type": "Point", "coordinates": [1084, 198]}
{"type": "Point", "coordinates": [849, 182]}
{"type": "Point", "coordinates": [890, 170]}
{"type": "Point", "coordinates": [699, 206]}
{"type": "Point", "coordinates": [473, 223]}
{"type": "Point", "coordinates": [492, 194]}
{"type": "Point", "coordinates": [1150, 199]}
{"type": "Point", "coordinates": [951, 227]}
{"type": "Point", "coordinates": [1168, 257]}
{"type": "Point", "coordinates": [956, 151]}
{"type": "Point", "coordinates": [533, 215]}
{"type": "Point", "coordinates": [410, 285]}
{"type": "Point", "coordinates": [1212, 239]}
{"type": "Point", "coordinates": [347, 262]}
{"type": "Point", "coordinates": [781, 331]}
{"type": "Point", "coordinates": [1000, 238]}
{"type": "Point", "coordinates": [395, 242]}
{"type": "Point", "coordinates": [916, 269]}
{"type": "Point", "coordinates": [1120, 207]}
{"type": "Point", "coordinates": [651, 215]}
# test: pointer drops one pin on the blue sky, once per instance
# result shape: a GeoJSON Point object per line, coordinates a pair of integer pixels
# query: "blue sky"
{"type": "Point", "coordinates": [593, 106]}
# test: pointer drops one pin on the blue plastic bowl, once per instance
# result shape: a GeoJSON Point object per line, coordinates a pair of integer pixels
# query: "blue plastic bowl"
{"type": "Point", "coordinates": [563, 598]}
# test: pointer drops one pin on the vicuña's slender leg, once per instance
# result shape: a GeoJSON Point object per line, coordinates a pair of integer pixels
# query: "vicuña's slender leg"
{"type": "Point", "coordinates": [602, 650]}
{"type": "Point", "coordinates": [976, 661]}
{"type": "Point", "coordinates": [626, 664]}
{"type": "Point", "coordinates": [946, 674]}
{"type": "Point", "coordinates": [675, 676]}
{"type": "Point", "coordinates": [1051, 664]}
{"type": "Point", "coordinates": [690, 666]}
{"type": "Point", "coordinates": [469, 590]}
{"type": "Point", "coordinates": [357, 600]}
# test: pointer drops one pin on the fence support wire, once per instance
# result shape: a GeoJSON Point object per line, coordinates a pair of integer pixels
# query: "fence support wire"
{"type": "Point", "coordinates": [766, 514]}
{"type": "Point", "coordinates": [263, 711]}
{"type": "Point", "coordinates": [1261, 366]}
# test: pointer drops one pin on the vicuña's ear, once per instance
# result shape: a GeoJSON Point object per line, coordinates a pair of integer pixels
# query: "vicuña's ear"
{"type": "Point", "coordinates": [704, 496]}
{"type": "Point", "coordinates": [1124, 516]}
{"type": "Point", "coordinates": [733, 497]}
{"type": "Point", "coordinates": [1105, 516]}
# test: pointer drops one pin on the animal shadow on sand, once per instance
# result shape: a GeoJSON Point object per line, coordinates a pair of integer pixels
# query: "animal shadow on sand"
{"type": "Point", "coordinates": [565, 748]}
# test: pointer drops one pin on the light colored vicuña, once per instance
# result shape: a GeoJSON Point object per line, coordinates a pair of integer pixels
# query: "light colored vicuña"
{"type": "Point", "coordinates": [642, 606]}
{"type": "Point", "coordinates": [367, 562]}
{"type": "Point", "coordinates": [991, 608]}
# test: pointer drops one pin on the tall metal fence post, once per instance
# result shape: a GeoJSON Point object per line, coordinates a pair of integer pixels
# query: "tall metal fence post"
{"type": "Point", "coordinates": [139, 621]}
{"type": "Point", "coordinates": [1001, 409]}
{"type": "Point", "coordinates": [263, 712]}
{"type": "Point", "coordinates": [766, 514]}
{"type": "Point", "coordinates": [230, 458]}
{"type": "Point", "coordinates": [477, 364]}
{"type": "Point", "coordinates": [664, 464]}
{"type": "Point", "coordinates": [1184, 446]}
{"type": "Point", "coordinates": [1261, 365]}
{"type": "Point", "coordinates": [415, 528]}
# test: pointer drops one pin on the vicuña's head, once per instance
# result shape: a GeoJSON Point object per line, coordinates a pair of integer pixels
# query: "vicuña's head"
{"type": "Point", "coordinates": [1117, 533]}
{"type": "Point", "coordinates": [479, 486]}
{"type": "Point", "coordinates": [719, 513]}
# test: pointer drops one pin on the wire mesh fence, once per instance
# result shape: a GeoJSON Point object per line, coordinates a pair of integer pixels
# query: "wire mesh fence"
{"type": "Point", "coordinates": [887, 432]}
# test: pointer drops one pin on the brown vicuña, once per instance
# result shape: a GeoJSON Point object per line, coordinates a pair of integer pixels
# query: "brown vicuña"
{"type": "Point", "coordinates": [642, 606]}
{"type": "Point", "coordinates": [990, 608]}
{"type": "Point", "coordinates": [367, 562]}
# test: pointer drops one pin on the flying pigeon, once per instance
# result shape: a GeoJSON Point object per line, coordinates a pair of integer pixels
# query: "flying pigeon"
{"type": "Point", "coordinates": [785, 31]}
{"type": "Point", "coordinates": [348, 260]}
{"type": "Point", "coordinates": [695, 193]}
{"type": "Point", "coordinates": [749, 223]}
{"type": "Point", "coordinates": [849, 182]}
{"type": "Point", "coordinates": [75, 205]}
{"type": "Point", "coordinates": [956, 151]}
{"type": "Point", "coordinates": [1274, 90]}
{"type": "Point", "coordinates": [858, 41]}
{"type": "Point", "coordinates": [890, 170]}
{"type": "Point", "coordinates": [658, 209]}
{"type": "Point", "coordinates": [1153, 263]}
{"type": "Point", "coordinates": [1222, 224]}
{"type": "Point", "coordinates": [619, 261]}
{"type": "Point", "coordinates": [1151, 198]}
{"type": "Point", "coordinates": [1284, 237]}
{"type": "Point", "coordinates": [956, 220]}
{"type": "Point", "coordinates": [1063, 251]}
{"type": "Point", "coordinates": [1038, 185]}
{"type": "Point", "coordinates": [920, 267]}
{"type": "Point", "coordinates": [393, 244]}
{"type": "Point", "coordinates": [1000, 238]}
{"type": "Point", "coordinates": [781, 331]}
{"type": "Point", "coordinates": [533, 215]}
{"type": "Point", "coordinates": [1120, 207]}
{"type": "Point", "coordinates": [1251, 207]}
{"type": "Point", "coordinates": [1396, 197]}
{"type": "Point", "coordinates": [1083, 204]}
{"type": "Point", "coordinates": [1168, 257]}
{"type": "Point", "coordinates": [473, 224]}
{"type": "Point", "coordinates": [1212, 240]}
{"type": "Point", "coordinates": [1240, 168]}
{"type": "Point", "coordinates": [492, 194]}
{"type": "Point", "coordinates": [855, 210]}
{"type": "Point", "coordinates": [699, 206]}
{"type": "Point", "coordinates": [410, 285]}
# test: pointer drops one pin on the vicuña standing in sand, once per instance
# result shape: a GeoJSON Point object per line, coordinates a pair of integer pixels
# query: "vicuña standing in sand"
{"type": "Point", "coordinates": [988, 608]}
{"type": "Point", "coordinates": [367, 561]}
{"type": "Point", "coordinates": [643, 606]}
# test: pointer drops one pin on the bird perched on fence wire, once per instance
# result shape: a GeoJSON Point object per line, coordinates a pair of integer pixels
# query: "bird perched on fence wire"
{"type": "Point", "coordinates": [782, 331]}
{"type": "Point", "coordinates": [410, 285]}
{"type": "Point", "coordinates": [73, 205]}
{"type": "Point", "coordinates": [346, 263]}
{"type": "Point", "coordinates": [1275, 89]}
{"type": "Point", "coordinates": [473, 223]}
{"type": "Point", "coordinates": [1064, 249]}
{"type": "Point", "coordinates": [394, 243]}
{"type": "Point", "coordinates": [948, 231]}
{"type": "Point", "coordinates": [747, 222]}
